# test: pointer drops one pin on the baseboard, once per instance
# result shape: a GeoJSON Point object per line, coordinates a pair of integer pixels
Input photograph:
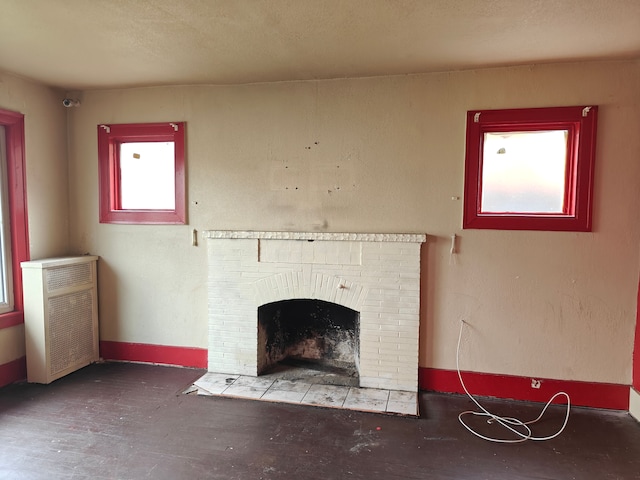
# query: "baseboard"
{"type": "Point", "coordinates": [634, 404]}
{"type": "Point", "coordinates": [159, 354]}
{"type": "Point", "coordinates": [587, 394]}
{"type": "Point", "coordinates": [14, 371]}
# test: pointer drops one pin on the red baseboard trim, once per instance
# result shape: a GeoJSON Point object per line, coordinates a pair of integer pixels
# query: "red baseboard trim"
{"type": "Point", "coordinates": [586, 394]}
{"type": "Point", "coordinates": [147, 353]}
{"type": "Point", "coordinates": [14, 371]}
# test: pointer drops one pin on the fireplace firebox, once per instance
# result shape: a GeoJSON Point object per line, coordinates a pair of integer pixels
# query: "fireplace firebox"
{"type": "Point", "coordinates": [311, 334]}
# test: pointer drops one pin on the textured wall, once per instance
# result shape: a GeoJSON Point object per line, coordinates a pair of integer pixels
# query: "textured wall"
{"type": "Point", "coordinates": [382, 155]}
{"type": "Point", "coordinates": [46, 178]}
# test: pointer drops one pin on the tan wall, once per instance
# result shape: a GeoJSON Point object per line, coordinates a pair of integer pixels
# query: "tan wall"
{"type": "Point", "coordinates": [544, 304]}
{"type": "Point", "coordinates": [47, 185]}
{"type": "Point", "coordinates": [634, 404]}
{"type": "Point", "coordinates": [11, 344]}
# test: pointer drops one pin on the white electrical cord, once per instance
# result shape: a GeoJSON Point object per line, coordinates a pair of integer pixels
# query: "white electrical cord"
{"type": "Point", "coordinates": [507, 422]}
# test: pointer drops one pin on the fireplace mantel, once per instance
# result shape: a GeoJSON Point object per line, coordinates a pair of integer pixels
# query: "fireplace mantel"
{"type": "Point", "coordinates": [329, 236]}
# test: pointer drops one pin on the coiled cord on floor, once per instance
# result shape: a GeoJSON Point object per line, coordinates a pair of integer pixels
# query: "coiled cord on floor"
{"type": "Point", "coordinates": [509, 423]}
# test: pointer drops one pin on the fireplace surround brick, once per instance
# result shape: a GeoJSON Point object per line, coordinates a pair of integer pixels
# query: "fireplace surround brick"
{"type": "Point", "coordinates": [378, 275]}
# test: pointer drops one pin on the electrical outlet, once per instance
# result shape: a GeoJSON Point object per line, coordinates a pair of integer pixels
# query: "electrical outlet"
{"type": "Point", "coordinates": [535, 383]}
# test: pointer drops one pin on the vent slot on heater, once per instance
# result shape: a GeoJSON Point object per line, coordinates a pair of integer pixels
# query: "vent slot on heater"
{"type": "Point", "coordinates": [68, 276]}
{"type": "Point", "coordinates": [61, 316]}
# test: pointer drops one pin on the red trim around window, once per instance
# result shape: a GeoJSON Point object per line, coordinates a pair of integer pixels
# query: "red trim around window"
{"type": "Point", "coordinates": [636, 348]}
{"type": "Point", "coordinates": [109, 136]}
{"type": "Point", "coordinates": [13, 123]}
{"type": "Point", "coordinates": [581, 123]}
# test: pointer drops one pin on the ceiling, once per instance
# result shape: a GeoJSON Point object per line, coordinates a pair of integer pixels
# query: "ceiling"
{"type": "Point", "coordinates": [91, 44]}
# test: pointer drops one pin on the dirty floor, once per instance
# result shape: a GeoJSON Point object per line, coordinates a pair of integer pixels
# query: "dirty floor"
{"type": "Point", "coordinates": [132, 421]}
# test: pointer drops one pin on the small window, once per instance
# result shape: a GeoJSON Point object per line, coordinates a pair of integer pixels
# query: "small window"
{"type": "Point", "coordinates": [142, 175]}
{"type": "Point", "coordinates": [6, 274]}
{"type": "Point", "coordinates": [530, 169]}
{"type": "Point", "coordinates": [14, 229]}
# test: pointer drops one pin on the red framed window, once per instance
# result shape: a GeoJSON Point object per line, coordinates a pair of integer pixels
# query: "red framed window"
{"type": "Point", "coordinates": [530, 169]}
{"type": "Point", "coordinates": [15, 234]}
{"type": "Point", "coordinates": [142, 173]}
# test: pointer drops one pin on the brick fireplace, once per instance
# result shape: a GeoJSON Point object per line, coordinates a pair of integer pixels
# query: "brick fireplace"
{"type": "Point", "coordinates": [376, 275]}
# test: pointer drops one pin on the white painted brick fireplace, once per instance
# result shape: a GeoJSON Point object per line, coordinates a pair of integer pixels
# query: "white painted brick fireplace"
{"type": "Point", "coordinates": [377, 275]}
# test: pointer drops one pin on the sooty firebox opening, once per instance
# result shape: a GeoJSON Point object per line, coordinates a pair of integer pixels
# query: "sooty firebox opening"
{"type": "Point", "coordinates": [309, 334]}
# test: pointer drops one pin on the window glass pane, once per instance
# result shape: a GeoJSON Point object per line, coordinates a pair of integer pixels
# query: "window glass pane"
{"type": "Point", "coordinates": [6, 295]}
{"type": "Point", "coordinates": [524, 172]}
{"type": "Point", "coordinates": [147, 176]}
{"type": "Point", "coordinates": [3, 276]}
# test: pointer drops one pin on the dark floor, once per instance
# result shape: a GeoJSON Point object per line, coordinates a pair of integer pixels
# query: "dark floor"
{"type": "Point", "coordinates": [129, 421]}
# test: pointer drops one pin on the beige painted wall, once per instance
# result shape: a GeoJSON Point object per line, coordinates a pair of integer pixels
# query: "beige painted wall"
{"type": "Point", "coordinates": [47, 185]}
{"type": "Point", "coordinates": [634, 404]}
{"type": "Point", "coordinates": [543, 304]}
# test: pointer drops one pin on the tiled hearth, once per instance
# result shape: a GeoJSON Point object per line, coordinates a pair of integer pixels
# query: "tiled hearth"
{"type": "Point", "coordinates": [377, 275]}
{"type": "Point", "coordinates": [273, 389]}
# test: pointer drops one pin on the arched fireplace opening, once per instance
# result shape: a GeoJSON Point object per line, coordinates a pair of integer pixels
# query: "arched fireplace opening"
{"type": "Point", "coordinates": [309, 338]}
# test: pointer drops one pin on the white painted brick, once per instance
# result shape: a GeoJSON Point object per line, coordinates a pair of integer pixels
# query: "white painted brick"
{"type": "Point", "coordinates": [409, 287]}
{"type": "Point", "coordinates": [384, 327]}
{"type": "Point", "coordinates": [390, 349]}
{"type": "Point", "coordinates": [406, 309]}
{"type": "Point", "coordinates": [407, 378]}
{"type": "Point", "coordinates": [408, 342]}
{"type": "Point", "coordinates": [385, 376]}
{"type": "Point", "coordinates": [369, 344]}
{"type": "Point", "coordinates": [383, 285]}
{"type": "Point", "coordinates": [407, 358]}
{"type": "Point", "coordinates": [369, 355]}
{"type": "Point", "coordinates": [371, 274]}
{"type": "Point", "coordinates": [368, 369]}
{"type": "Point", "coordinates": [369, 332]}
{"type": "Point", "coordinates": [387, 319]}
{"type": "Point", "coordinates": [376, 294]}
{"type": "Point", "coordinates": [388, 372]}
{"type": "Point", "coordinates": [390, 359]}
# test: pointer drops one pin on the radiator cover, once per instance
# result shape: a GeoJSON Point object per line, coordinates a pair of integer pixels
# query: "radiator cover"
{"type": "Point", "coordinates": [61, 316]}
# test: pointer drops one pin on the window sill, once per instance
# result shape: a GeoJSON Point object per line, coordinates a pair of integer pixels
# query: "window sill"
{"type": "Point", "coordinates": [11, 319]}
